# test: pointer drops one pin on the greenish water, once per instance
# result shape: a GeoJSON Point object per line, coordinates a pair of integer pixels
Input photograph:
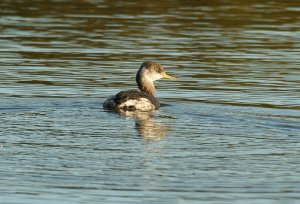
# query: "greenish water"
{"type": "Point", "coordinates": [228, 130]}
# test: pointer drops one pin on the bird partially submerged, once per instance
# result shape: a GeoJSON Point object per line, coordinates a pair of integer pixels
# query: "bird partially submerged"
{"type": "Point", "coordinates": [143, 100]}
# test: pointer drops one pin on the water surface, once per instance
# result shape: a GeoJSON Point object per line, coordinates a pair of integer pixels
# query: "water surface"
{"type": "Point", "coordinates": [228, 130]}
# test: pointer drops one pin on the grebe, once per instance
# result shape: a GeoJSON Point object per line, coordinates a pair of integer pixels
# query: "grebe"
{"type": "Point", "coordinates": [143, 100]}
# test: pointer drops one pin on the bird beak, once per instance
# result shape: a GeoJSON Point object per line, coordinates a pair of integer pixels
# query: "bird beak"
{"type": "Point", "coordinates": [165, 75]}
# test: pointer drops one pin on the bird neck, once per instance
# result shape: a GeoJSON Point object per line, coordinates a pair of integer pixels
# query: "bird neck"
{"type": "Point", "coordinates": [146, 85]}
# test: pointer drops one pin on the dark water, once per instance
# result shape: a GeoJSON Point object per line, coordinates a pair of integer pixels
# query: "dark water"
{"type": "Point", "coordinates": [229, 129]}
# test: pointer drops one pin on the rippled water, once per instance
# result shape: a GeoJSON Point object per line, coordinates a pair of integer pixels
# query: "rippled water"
{"type": "Point", "coordinates": [228, 130]}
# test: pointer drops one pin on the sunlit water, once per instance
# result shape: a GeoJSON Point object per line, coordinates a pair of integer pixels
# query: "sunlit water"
{"type": "Point", "coordinates": [228, 130]}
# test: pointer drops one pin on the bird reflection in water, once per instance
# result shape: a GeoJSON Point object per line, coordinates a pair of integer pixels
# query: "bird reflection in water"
{"type": "Point", "coordinates": [145, 123]}
{"type": "Point", "coordinates": [140, 104]}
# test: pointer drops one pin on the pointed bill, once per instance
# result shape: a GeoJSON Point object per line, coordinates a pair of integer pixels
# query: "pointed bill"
{"type": "Point", "coordinates": [165, 75]}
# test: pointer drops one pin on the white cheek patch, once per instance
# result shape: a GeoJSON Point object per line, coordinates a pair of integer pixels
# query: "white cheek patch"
{"type": "Point", "coordinates": [142, 104]}
{"type": "Point", "coordinates": [158, 76]}
{"type": "Point", "coordinates": [153, 77]}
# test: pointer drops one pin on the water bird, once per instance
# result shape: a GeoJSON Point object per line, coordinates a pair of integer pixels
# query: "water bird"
{"type": "Point", "coordinates": [144, 98]}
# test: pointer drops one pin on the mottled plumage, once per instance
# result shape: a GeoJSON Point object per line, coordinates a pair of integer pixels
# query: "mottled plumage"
{"type": "Point", "coordinates": [132, 100]}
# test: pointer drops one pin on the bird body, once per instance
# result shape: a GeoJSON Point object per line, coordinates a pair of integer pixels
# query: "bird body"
{"type": "Point", "coordinates": [132, 100]}
{"type": "Point", "coordinates": [143, 100]}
